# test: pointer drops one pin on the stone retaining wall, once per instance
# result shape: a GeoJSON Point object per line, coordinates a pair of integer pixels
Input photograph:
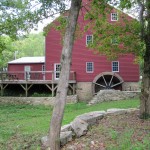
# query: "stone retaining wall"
{"type": "Point", "coordinates": [113, 95]}
{"type": "Point", "coordinates": [35, 100]}
{"type": "Point", "coordinates": [82, 123]}
{"type": "Point", "coordinates": [85, 90]}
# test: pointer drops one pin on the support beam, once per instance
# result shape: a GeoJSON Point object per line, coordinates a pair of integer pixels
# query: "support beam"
{"type": "Point", "coordinates": [52, 89]}
{"type": "Point", "coordinates": [3, 88]}
{"type": "Point", "coordinates": [2, 91]}
{"type": "Point", "coordinates": [74, 89]}
{"type": "Point", "coordinates": [49, 87]}
{"type": "Point", "coordinates": [26, 88]}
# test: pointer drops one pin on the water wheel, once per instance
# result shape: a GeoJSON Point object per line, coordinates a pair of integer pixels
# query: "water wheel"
{"type": "Point", "coordinates": [107, 80]}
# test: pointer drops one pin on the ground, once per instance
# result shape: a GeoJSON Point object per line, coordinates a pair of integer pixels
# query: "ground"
{"type": "Point", "coordinates": [115, 132]}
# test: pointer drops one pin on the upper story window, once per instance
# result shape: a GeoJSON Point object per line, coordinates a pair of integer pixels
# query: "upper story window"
{"type": "Point", "coordinates": [89, 67]}
{"type": "Point", "coordinates": [65, 17]}
{"type": "Point", "coordinates": [114, 17]}
{"type": "Point", "coordinates": [89, 39]}
{"type": "Point", "coordinates": [115, 66]}
{"type": "Point", "coordinates": [114, 41]}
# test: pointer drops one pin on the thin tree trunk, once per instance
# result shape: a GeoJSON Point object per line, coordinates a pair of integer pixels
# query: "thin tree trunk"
{"type": "Point", "coordinates": [145, 34]}
{"type": "Point", "coordinates": [58, 111]}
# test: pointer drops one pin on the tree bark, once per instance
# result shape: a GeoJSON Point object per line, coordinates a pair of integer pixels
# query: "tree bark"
{"type": "Point", "coordinates": [58, 111]}
{"type": "Point", "coordinates": [145, 93]}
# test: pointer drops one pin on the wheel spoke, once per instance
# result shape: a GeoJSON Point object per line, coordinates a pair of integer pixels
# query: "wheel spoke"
{"type": "Point", "coordinates": [117, 84]}
{"type": "Point", "coordinates": [104, 80]}
{"type": "Point", "coordinates": [111, 80]}
{"type": "Point", "coordinates": [100, 85]}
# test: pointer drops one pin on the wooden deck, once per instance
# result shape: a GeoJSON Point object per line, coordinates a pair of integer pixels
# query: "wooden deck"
{"type": "Point", "coordinates": [27, 79]}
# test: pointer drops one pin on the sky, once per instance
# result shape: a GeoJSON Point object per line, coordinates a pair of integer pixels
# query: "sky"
{"type": "Point", "coordinates": [42, 25]}
{"type": "Point", "coordinates": [49, 20]}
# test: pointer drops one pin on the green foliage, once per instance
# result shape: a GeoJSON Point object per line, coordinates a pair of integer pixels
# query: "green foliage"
{"type": "Point", "coordinates": [113, 134]}
{"type": "Point", "coordinates": [22, 126]}
{"type": "Point", "coordinates": [32, 45]}
{"type": "Point", "coordinates": [6, 51]}
{"type": "Point", "coordinates": [59, 24]}
{"type": "Point", "coordinates": [26, 120]}
{"type": "Point", "coordinates": [40, 95]}
{"type": "Point", "coordinates": [19, 17]}
{"type": "Point", "coordinates": [125, 142]}
{"type": "Point", "coordinates": [126, 30]}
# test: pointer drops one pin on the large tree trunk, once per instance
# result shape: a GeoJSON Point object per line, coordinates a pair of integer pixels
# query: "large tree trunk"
{"type": "Point", "coordinates": [58, 111]}
{"type": "Point", "coordinates": [145, 95]}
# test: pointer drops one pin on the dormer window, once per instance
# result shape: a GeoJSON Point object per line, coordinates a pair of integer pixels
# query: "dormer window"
{"type": "Point", "coordinates": [114, 17]}
{"type": "Point", "coordinates": [89, 39]}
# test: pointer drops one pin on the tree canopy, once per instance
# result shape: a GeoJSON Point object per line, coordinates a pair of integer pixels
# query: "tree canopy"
{"type": "Point", "coordinates": [32, 45]}
{"type": "Point", "coordinates": [20, 16]}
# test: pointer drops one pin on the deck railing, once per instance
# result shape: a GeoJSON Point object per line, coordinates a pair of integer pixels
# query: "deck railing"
{"type": "Point", "coordinates": [31, 75]}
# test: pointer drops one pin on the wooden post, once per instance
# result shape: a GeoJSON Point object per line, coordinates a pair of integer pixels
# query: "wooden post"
{"type": "Point", "coordinates": [52, 89]}
{"type": "Point", "coordinates": [2, 90]}
{"type": "Point", "coordinates": [74, 91]}
{"type": "Point", "coordinates": [26, 90]}
{"type": "Point", "coordinates": [52, 76]}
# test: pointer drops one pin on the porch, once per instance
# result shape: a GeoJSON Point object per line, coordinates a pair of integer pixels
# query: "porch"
{"type": "Point", "coordinates": [27, 79]}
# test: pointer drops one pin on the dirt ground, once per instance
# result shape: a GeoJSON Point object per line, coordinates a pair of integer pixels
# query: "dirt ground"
{"type": "Point", "coordinates": [115, 132]}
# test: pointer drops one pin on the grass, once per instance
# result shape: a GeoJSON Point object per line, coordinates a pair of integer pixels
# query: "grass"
{"type": "Point", "coordinates": [116, 132]}
{"type": "Point", "coordinates": [22, 126]}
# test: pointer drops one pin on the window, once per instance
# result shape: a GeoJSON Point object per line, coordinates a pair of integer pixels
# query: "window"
{"type": "Point", "coordinates": [43, 69]}
{"type": "Point", "coordinates": [114, 17]}
{"type": "Point", "coordinates": [89, 39]}
{"type": "Point", "coordinates": [57, 68]}
{"type": "Point", "coordinates": [89, 67]}
{"type": "Point", "coordinates": [115, 66]}
{"type": "Point", "coordinates": [114, 40]}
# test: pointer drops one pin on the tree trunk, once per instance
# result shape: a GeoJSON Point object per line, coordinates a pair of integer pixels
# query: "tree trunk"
{"type": "Point", "coordinates": [145, 93]}
{"type": "Point", "coordinates": [58, 111]}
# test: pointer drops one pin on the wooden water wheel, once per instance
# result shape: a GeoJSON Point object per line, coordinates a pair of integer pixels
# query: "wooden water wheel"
{"type": "Point", "coordinates": [107, 80]}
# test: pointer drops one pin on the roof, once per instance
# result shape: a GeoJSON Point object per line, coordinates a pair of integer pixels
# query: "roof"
{"type": "Point", "coordinates": [28, 60]}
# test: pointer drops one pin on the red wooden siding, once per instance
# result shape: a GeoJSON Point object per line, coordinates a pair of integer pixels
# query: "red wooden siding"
{"type": "Point", "coordinates": [81, 54]}
{"type": "Point", "coordinates": [18, 70]}
{"type": "Point", "coordinates": [20, 67]}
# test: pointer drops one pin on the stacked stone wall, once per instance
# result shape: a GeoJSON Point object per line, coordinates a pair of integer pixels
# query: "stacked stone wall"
{"type": "Point", "coordinates": [35, 100]}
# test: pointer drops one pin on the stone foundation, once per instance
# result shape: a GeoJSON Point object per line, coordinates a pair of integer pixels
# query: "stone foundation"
{"type": "Point", "coordinates": [35, 100]}
{"type": "Point", "coordinates": [131, 86]}
{"type": "Point", "coordinates": [84, 91]}
{"type": "Point", "coordinates": [113, 95]}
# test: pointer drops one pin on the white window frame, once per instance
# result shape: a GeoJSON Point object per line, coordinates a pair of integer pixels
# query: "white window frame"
{"type": "Point", "coordinates": [114, 16]}
{"type": "Point", "coordinates": [114, 43]}
{"type": "Point", "coordinates": [27, 70]}
{"type": "Point", "coordinates": [87, 41]}
{"type": "Point", "coordinates": [92, 65]}
{"type": "Point", "coordinates": [43, 69]}
{"type": "Point", "coordinates": [56, 71]}
{"type": "Point", "coordinates": [115, 66]}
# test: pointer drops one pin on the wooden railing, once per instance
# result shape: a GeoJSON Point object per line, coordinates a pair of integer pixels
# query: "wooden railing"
{"type": "Point", "coordinates": [32, 75]}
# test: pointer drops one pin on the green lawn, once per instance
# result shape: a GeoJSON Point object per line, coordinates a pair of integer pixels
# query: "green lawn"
{"type": "Point", "coordinates": [23, 125]}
